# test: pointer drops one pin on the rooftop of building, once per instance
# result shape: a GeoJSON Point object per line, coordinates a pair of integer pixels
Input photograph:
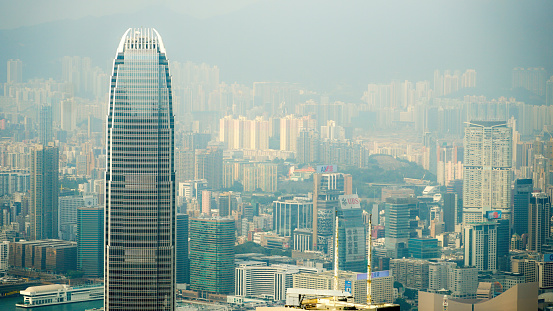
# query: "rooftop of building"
{"type": "Point", "coordinates": [141, 39]}
{"type": "Point", "coordinates": [488, 123]}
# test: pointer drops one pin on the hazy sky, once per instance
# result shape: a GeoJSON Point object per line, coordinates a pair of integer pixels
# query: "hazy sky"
{"type": "Point", "coordinates": [17, 13]}
{"type": "Point", "coordinates": [321, 43]}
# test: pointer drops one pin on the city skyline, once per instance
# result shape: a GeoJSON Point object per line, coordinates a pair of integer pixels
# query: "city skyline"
{"type": "Point", "coordinates": [281, 147]}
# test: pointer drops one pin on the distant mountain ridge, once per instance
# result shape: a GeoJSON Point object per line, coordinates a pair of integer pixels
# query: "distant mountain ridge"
{"type": "Point", "coordinates": [321, 44]}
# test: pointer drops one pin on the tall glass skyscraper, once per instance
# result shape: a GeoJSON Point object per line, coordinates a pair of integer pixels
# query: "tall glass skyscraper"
{"type": "Point", "coordinates": [140, 178]}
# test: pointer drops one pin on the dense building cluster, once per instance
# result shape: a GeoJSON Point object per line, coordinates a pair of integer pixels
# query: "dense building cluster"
{"type": "Point", "coordinates": [225, 191]}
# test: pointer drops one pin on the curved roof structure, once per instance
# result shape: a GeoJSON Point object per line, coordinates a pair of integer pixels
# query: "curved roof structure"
{"type": "Point", "coordinates": [43, 288]}
{"type": "Point", "coordinates": [140, 39]}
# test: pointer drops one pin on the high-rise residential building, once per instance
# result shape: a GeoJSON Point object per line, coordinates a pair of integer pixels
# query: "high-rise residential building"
{"type": "Point", "coordinates": [438, 274]}
{"type": "Point", "coordinates": [331, 131]}
{"type": "Point", "coordinates": [532, 79]}
{"type": "Point", "coordinates": [290, 127]}
{"type": "Point", "coordinates": [463, 282]}
{"type": "Point", "coordinates": [68, 115]}
{"type": "Point", "coordinates": [541, 172]}
{"type": "Point", "coordinates": [242, 133]}
{"type": "Point", "coordinates": [276, 97]}
{"type": "Point", "coordinates": [212, 255]}
{"type": "Point", "coordinates": [15, 71]}
{"type": "Point", "coordinates": [90, 241]}
{"type": "Point", "coordinates": [549, 92]}
{"type": "Point", "coordinates": [182, 263]}
{"type": "Point", "coordinates": [44, 192]}
{"type": "Point", "coordinates": [307, 149]}
{"type": "Point", "coordinates": [481, 245]}
{"type": "Point", "coordinates": [140, 178]}
{"type": "Point", "coordinates": [412, 273]}
{"type": "Point", "coordinates": [291, 214]}
{"type": "Point", "coordinates": [4, 255]}
{"type": "Point", "coordinates": [45, 134]}
{"type": "Point", "coordinates": [487, 169]}
{"type": "Point", "coordinates": [539, 221]}
{"type": "Point", "coordinates": [521, 201]}
{"type": "Point", "coordinates": [260, 176]}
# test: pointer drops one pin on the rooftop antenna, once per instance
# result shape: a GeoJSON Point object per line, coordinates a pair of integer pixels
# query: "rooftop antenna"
{"type": "Point", "coordinates": [369, 260]}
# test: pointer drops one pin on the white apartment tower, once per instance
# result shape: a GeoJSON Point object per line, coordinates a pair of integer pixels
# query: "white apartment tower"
{"type": "Point", "coordinates": [487, 171]}
{"type": "Point", "coordinates": [481, 245]}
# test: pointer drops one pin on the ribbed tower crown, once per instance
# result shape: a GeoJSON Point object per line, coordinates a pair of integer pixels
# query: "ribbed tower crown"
{"type": "Point", "coordinates": [141, 39]}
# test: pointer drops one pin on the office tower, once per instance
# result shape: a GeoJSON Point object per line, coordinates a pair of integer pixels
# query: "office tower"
{"type": "Point", "coordinates": [45, 134]}
{"type": "Point", "coordinates": [289, 215]}
{"type": "Point", "coordinates": [481, 245]}
{"type": "Point", "coordinates": [140, 178]}
{"type": "Point", "coordinates": [209, 165]}
{"type": "Point", "coordinates": [487, 169]}
{"type": "Point", "coordinates": [424, 248]}
{"type": "Point", "coordinates": [44, 192]}
{"type": "Point", "coordinates": [212, 255]}
{"type": "Point", "coordinates": [182, 262]}
{"type": "Point", "coordinates": [67, 214]}
{"type": "Point", "coordinates": [503, 244]}
{"type": "Point", "coordinates": [539, 221]}
{"type": "Point", "coordinates": [327, 188]}
{"type": "Point", "coordinates": [397, 226]}
{"type": "Point", "coordinates": [450, 211]}
{"type": "Point", "coordinates": [15, 71]}
{"type": "Point", "coordinates": [521, 201]}
{"type": "Point", "coordinates": [90, 241]}
{"type": "Point", "coordinates": [228, 202]}
{"type": "Point", "coordinates": [352, 243]}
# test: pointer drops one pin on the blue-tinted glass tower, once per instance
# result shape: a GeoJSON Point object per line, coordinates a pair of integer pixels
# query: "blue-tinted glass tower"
{"type": "Point", "coordinates": [140, 178]}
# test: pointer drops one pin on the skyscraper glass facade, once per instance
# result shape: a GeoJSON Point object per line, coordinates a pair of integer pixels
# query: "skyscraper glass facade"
{"type": "Point", "coordinates": [140, 178]}
{"type": "Point", "coordinates": [212, 255]}
{"type": "Point", "coordinates": [90, 241]}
